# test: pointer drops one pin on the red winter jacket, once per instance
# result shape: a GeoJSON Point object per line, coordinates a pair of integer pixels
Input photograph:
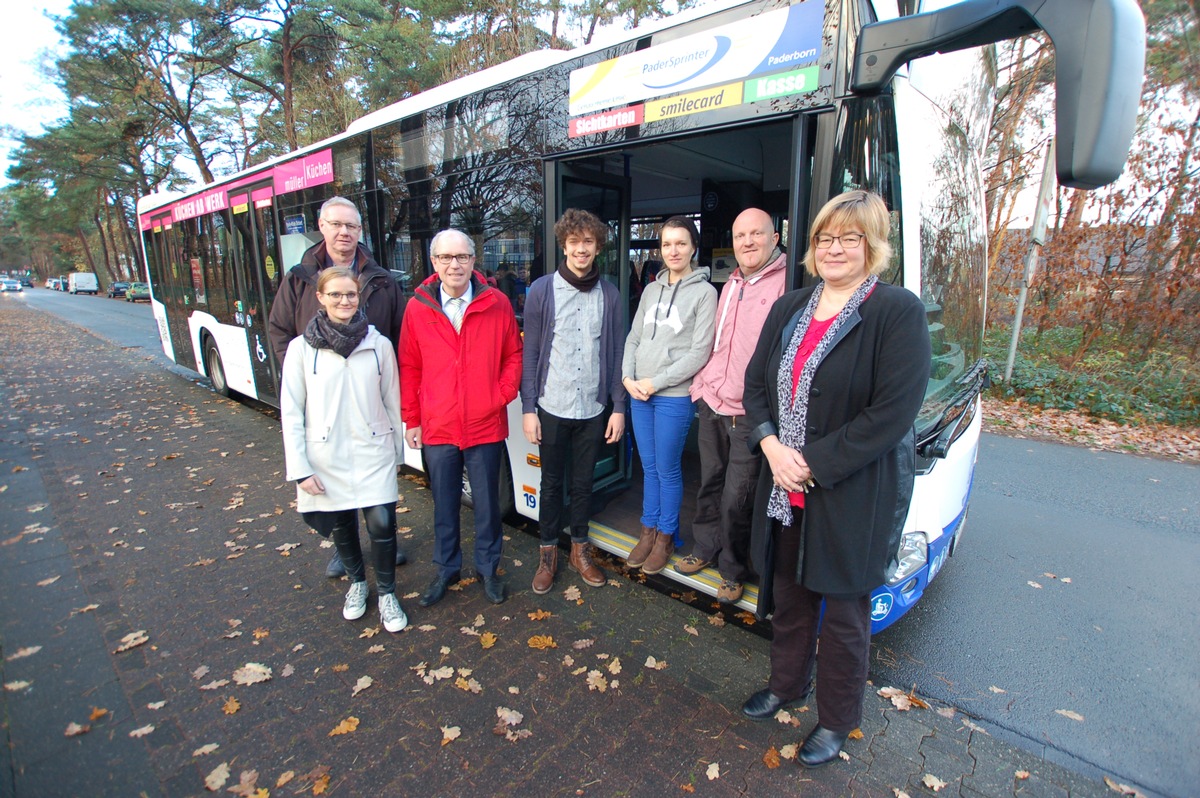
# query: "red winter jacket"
{"type": "Point", "coordinates": [456, 386]}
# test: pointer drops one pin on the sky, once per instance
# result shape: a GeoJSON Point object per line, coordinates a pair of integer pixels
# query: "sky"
{"type": "Point", "coordinates": [27, 99]}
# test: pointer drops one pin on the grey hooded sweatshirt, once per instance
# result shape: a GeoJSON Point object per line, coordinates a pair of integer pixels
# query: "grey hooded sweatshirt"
{"type": "Point", "coordinates": [672, 333]}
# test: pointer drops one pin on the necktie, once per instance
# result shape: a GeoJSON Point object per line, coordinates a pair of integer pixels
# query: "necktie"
{"type": "Point", "coordinates": [456, 312]}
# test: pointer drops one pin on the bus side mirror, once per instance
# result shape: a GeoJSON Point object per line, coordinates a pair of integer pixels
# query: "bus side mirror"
{"type": "Point", "coordinates": [1100, 56]}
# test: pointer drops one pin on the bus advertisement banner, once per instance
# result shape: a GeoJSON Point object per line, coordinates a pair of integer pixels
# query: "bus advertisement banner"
{"type": "Point", "coordinates": [314, 169]}
{"type": "Point", "coordinates": [778, 40]}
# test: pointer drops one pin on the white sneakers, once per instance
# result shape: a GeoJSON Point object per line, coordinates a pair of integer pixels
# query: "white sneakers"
{"type": "Point", "coordinates": [356, 601]}
{"type": "Point", "coordinates": [391, 614]}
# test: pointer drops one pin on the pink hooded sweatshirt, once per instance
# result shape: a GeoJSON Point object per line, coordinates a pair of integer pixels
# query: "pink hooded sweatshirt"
{"type": "Point", "coordinates": [741, 312]}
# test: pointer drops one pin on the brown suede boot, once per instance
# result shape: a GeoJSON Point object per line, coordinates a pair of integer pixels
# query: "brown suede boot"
{"type": "Point", "coordinates": [642, 550]}
{"type": "Point", "coordinates": [660, 555]}
{"type": "Point", "coordinates": [543, 580]}
{"type": "Point", "coordinates": [581, 562]}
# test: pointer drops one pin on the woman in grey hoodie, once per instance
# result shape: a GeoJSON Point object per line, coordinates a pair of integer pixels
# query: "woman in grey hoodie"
{"type": "Point", "coordinates": [669, 342]}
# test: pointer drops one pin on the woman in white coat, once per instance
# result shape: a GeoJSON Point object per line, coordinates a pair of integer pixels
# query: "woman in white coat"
{"type": "Point", "coordinates": [340, 406]}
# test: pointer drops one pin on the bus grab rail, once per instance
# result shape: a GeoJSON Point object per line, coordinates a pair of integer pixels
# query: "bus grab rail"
{"type": "Point", "coordinates": [1100, 57]}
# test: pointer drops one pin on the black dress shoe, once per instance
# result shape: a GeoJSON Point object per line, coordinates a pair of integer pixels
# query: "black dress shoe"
{"type": "Point", "coordinates": [436, 591]}
{"type": "Point", "coordinates": [764, 704]}
{"type": "Point", "coordinates": [493, 588]}
{"type": "Point", "coordinates": [401, 557]}
{"type": "Point", "coordinates": [821, 747]}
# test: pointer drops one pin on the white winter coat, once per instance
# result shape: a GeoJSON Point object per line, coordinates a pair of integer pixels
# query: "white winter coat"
{"type": "Point", "coordinates": [341, 421]}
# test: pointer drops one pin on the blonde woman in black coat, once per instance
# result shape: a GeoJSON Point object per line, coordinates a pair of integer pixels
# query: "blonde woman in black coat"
{"type": "Point", "coordinates": [832, 392]}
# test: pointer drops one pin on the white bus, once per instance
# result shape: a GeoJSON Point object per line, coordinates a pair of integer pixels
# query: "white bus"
{"type": "Point", "coordinates": [769, 103]}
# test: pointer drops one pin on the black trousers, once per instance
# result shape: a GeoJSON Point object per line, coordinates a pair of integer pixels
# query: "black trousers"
{"type": "Point", "coordinates": [845, 636]}
{"type": "Point", "coordinates": [568, 444]}
{"type": "Point", "coordinates": [725, 502]}
{"type": "Point", "coordinates": [381, 529]}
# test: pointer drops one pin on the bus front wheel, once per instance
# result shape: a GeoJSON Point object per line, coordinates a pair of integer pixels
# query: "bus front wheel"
{"type": "Point", "coordinates": [214, 368]}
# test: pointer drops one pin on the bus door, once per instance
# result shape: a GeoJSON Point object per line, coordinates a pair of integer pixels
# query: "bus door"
{"type": "Point", "coordinates": [607, 196]}
{"type": "Point", "coordinates": [259, 253]}
{"type": "Point", "coordinates": [173, 290]}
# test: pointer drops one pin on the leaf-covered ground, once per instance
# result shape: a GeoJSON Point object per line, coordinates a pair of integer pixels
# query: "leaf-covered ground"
{"type": "Point", "coordinates": [1022, 420]}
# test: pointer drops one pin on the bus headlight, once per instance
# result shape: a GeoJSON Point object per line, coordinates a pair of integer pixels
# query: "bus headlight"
{"type": "Point", "coordinates": [910, 558]}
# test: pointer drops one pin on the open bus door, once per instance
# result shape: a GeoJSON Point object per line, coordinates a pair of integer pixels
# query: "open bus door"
{"type": "Point", "coordinates": [258, 277]}
{"type": "Point", "coordinates": [607, 196]}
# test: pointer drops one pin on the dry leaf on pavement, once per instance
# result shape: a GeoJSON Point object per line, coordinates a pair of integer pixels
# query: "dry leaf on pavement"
{"type": "Point", "coordinates": [690, 630]}
{"type": "Point", "coordinates": [14, 686]}
{"type": "Point", "coordinates": [487, 640]}
{"type": "Point", "coordinates": [285, 777]}
{"type": "Point", "coordinates": [215, 684]}
{"type": "Point", "coordinates": [857, 734]}
{"type": "Point", "coordinates": [370, 631]}
{"type": "Point", "coordinates": [1067, 713]}
{"type": "Point", "coordinates": [771, 758]}
{"type": "Point", "coordinates": [996, 689]}
{"type": "Point", "coordinates": [76, 729]}
{"type": "Point", "coordinates": [206, 749]}
{"type": "Point", "coordinates": [580, 645]}
{"type": "Point", "coordinates": [713, 772]}
{"type": "Point", "coordinates": [789, 751]}
{"type": "Point", "coordinates": [1123, 789]}
{"type": "Point", "coordinates": [217, 778]}
{"type": "Point", "coordinates": [132, 640]}
{"type": "Point", "coordinates": [539, 615]}
{"type": "Point", "coordinates": [252, 673]}
{"type": "Point", "coordinates": [596, 681]}
{"type": "Point", "coordinates": [509, 717]}
{"type": "Point", "coordinates": [23, 652]}
{"type": "Point", "coordinates": [97, 713]}
{"type": "Point", "coordinates": [542, 642]}
{"type": "Point", "coordinates": [1022, 774]}
{"type": "Point", "coordinates": [247, 785]}
{"type": "Point", "coordinates": [614, 667]}
{"type": "Point", "coordinates": [200, 672]}
{"type": "Point", "coordinates": [572, 593]}
{"type": "Point", "coordinates": [362, 684]}
{"type": "Point", "coordinates": [655, 664]}
{"type": "Point", "coordinates": [932, 782]}
{"type": "Point", "coordinates": [231, 706]}
{"type": "Point", "coordinates": [345, 727]}
{"type": "Point", "coordinates": [450, 734]}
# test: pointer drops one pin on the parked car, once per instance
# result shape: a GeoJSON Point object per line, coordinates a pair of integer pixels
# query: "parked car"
{"type": "Point", "coordinates": [8, 284]}
{"type": "Point", "coordinates": [137, 291]}
{"type": "Point", "coordinates": [117, 289]}
{"type": "Point", "coordinates": [54, 284]}
{"type": "Point", "coordinates": [27, 282]}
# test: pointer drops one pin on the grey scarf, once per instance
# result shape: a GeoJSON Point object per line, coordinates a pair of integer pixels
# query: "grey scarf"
{"type": "Point", "coordinates": [793, 410]}
{"type": "Point", "coordinates": [323, 333]}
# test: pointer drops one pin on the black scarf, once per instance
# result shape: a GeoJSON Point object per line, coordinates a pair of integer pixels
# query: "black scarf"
{"type": "Point", "coordinates": [584, 283]}
{"type": "Point", "coordinates": [324, 333]}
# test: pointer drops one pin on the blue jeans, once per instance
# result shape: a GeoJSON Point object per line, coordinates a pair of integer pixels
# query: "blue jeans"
{"type": "Point", "coordinates": [445, 463]}
{"type": "Point", "coordinates": [660, 428]}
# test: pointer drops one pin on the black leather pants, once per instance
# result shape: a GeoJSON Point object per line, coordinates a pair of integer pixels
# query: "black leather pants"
{"type": "Point", "coordinates": [381, 529]}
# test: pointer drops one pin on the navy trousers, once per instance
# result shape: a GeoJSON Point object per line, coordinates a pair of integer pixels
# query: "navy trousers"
{"type": "Point", "coordinates": [445, 463]}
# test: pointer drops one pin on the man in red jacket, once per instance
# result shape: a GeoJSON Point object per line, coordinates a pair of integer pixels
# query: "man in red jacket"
{"type": "Point", "coordinates": [460, 366]}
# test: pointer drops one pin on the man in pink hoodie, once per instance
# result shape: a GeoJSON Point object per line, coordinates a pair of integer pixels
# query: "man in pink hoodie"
{"type": "Point", "coordinates": [728, 470]}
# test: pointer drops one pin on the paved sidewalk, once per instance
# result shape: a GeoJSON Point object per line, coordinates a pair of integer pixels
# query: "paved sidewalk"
{"type": "Point", "coordinates": [132, 500]}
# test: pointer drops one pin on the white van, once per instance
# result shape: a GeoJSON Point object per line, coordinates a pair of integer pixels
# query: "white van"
{"type": "Point", "coordinates": [83, 283]}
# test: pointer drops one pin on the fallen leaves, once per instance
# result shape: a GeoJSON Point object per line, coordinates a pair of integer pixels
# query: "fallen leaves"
{"type": "Point", "coordinates": [216, 779]}
{"type": "Point", "coordinates": [204, 750]}
{"type": "Point", "coordinates": [362, 684]}
{"type": "Point", "coordinates": [933, 782]}
{"type": "Point", "coordinates": [132, 640]}
{"type": "Point", "coordinates": [214, 685]}
{"type": "Point", "coordinates": [509, 718]}
{"type": "Point", "coordinates": [48, 581]}
{"type": "Point", "coordinates": [1068, 713]}
{"type": "Point", "coordinates": [771, 758]}
{"type": "Point", "coordinates": [450, 734]}
{"type": "Point", "coordinates": [487, 640]}
{"type": "Point", "coordinates": [542, 642]}
{"type": "Point", "coordinates": [252, 673]}
{"type": "Point", "coordinates": [539, 615]}
{"type": "Point", "coordinates": [901, 700]}
{"type": "Point", "coordinates": [97, 713]}
{"type": "Point", "coordinates": [142, 731]}
{"type": "Point", "coordinates": [596, 681]}
{"type": "Point", "coordinates": [231, 706]}
{"type": "Point", "coordinates": [572, 594]}
{"type": "Point", "coordinates": [369, 632]}
{"type": "Point", "coordinates": [655, 664]}
{"type": "Point", "coordinates": [345, 727]}
{"type": "Point", "coordinates": [21, 653]}
{"type": "Point", "coordinates": [1123, 789]}
{"type": "Point", "coordinates": [76, 729]}
{"type": "Point", "coordinates": [714, 771]}
{"type": "Point", "coordinates": [16, 686]}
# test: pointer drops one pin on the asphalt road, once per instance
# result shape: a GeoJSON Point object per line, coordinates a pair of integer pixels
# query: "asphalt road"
{"type": "Point", "coordinates": [1117, 645]}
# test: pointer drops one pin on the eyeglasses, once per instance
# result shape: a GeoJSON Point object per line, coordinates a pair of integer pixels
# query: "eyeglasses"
{"type": "Point", "coordinates": [445, 259]}
{"type": "Point", "coordinates": [347, 226]}
{"type": "Point", "coordinates": [338, 296]}
{"type": "Point", "coordinates": [848, 240]}
{"type": "Point", "coordinates": [751, 234]}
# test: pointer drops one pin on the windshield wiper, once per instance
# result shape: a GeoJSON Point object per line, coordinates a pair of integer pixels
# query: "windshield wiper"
{"type": "Point", "coordinates": [935, 439]}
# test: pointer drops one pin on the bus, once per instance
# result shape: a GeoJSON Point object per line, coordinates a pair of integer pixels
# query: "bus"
{"type": "Point", "coordinates": [768, 103]}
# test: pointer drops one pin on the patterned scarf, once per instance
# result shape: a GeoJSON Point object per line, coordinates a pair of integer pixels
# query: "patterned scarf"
{"type": "Point", "coordinates": [323, 333]}
{"type": "Point", "coordinates": [793, 410]}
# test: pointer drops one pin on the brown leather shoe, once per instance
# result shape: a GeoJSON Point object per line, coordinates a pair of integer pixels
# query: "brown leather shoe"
{"type": "Point", "coordinates": [581, 562]}
{"type": "Point", "coordinates": [543, 580]}
{"type": "Point", "coordinates": [642, 550]}
{"type": "Point", "coordinates": [660, 555]}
